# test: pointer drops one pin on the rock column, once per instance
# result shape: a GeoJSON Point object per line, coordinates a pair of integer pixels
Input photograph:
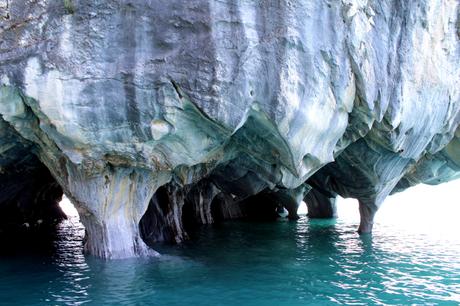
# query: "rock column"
{"type": "Point", "coordinates": [320, 205]}
{"type": "Point", "coordinates": [111, 205]}
{"type": "Point", "coordinates": [367, 212]}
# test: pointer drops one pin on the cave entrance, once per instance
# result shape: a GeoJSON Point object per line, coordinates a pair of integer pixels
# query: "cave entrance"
{"type": "Point", "coordinates": [189, 220]}
{"type": "Point", "coordinates": [302, 210]}
{"type": "Point", "coordinates": [68, 208]}
{"type": "Point", "coordinates": [70, 232]}
{"type": "Point", "coordinates": [29, 206]}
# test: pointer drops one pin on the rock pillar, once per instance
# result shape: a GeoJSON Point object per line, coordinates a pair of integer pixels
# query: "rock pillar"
{"type": "Point", "coordinates": [320, 205]}
{"type": "Point", "coordinates": [111, 205]}
{"type": "Point", "coordinates": [367, 212]}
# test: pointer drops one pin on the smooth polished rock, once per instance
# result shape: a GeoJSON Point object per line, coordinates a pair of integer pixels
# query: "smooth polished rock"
{"type": "Point", "coordinates": [121, 99]}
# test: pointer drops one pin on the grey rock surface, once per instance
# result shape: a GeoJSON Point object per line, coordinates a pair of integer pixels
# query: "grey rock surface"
{"type": "Point", "coordinates": [217, 102]}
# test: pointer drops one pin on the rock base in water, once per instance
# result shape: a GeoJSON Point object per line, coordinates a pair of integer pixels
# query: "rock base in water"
{"type": "Point", "coordinates": [154, 117]}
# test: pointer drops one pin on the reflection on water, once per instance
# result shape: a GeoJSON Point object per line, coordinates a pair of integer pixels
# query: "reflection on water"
{"type": "Point", "coordinates": [309, 262]}
{"type": "Point", "coordinates": [71, 287]}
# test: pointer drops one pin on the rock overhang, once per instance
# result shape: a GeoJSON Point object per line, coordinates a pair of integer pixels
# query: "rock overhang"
{"type": "Point", "coordinates": [210, 100]}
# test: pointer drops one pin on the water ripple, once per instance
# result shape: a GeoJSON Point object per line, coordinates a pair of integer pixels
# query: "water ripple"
{"type": "Point", "coordinates": [309, 262]}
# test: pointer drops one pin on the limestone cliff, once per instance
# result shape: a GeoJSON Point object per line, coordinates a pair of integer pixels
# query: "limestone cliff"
{"type": "Point", "coordinates": [152, 115]}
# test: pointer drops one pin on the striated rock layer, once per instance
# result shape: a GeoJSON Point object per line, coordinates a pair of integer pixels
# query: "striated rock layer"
{"type": "Point", "coordinates": [154, 116]}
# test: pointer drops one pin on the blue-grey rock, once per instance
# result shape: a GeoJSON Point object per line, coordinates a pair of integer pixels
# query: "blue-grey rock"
{"type": "Point", "coordinates": [321, 205]}
{"type": "Point", "coordinates": [121, 99]}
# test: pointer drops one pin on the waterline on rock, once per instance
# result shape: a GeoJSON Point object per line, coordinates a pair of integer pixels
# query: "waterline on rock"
{"type": "Point", "coordinates": [307, 262]}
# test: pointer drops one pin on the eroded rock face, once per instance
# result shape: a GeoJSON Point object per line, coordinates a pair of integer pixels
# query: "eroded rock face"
{"type": "Point", "coordinates": [213, 103]}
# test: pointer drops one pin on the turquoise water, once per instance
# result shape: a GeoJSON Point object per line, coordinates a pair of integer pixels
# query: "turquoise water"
{"type": "Point", "coordinates": [309, 262]}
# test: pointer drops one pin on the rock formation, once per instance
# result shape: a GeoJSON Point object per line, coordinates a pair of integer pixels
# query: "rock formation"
{"type": "Point", "coordinates": [154, 114]}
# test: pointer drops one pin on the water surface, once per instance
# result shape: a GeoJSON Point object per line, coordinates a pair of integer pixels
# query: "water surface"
{"type": "Point", "coordinates": [309, 262]}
